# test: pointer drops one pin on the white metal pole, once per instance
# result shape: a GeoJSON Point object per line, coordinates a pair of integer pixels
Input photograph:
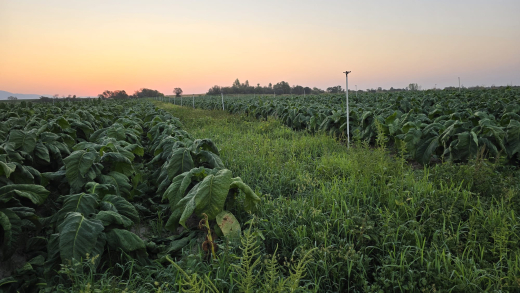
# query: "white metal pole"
{"type": "Point", "coordinates": [459, 84]}
{"type": "Point", "coordinates": [222, 95]}
{"type": "Point", "coordinates": [348, 114]}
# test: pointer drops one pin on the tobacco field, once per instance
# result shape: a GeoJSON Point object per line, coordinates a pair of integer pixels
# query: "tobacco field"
{"type": "Point", "coordinates": [150, 196]}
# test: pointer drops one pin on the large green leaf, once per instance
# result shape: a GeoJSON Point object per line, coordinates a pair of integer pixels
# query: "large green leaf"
{"type": "Point", "coordinates": [6, 169]}
{"type": "Point", "coordinates": [120, 181]}
{"type": "Point", "coordinates": [113, 218]}
{"type": "Point", "coordinates": [83, 203]}
{"type": "Point", "coordinates": [513, 138]}
{"type": "Point", "coordinates": [117, 132]}
{"type": "Point", "coordinates": [12, 227]}
{"type": "Point", "coordinates": [179, 162]}
{"type": "Point", "coordinates": [135, 149]}
{"type": "Point", "coordinates": [23, 140]}
{"type": "Point", "coordinates": [53, 256]}
{"type": "Point", "coordinates": [177, 189]}
{"type": "Point", "coordinates": [41, 152]}
{"type": "Point", "coordinates": [118, 162]}
{"type": "Point", "coordinates": [100, 189]}
{"type": "Point", "coordinates": [35, 193]}
{"type": "Point", "coordinates": [124, 240]}
{"type": "Point", "coordinates": [212, 159]}
{"type": "Point", "coordinates": [122, 206]}
{"type": "Point", "coordinates": [78, 236]}
{"type": "Point", "coordinates": [426, 149]}
{"type": "Point", "coordinates": [208, 196]}
{"type": "Point", "coordinates": [81, 168]}
{"type": "Point", "coordinates": [204, 144]}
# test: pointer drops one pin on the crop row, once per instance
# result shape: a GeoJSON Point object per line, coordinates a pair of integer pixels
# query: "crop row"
{"type": "Point", "coordinates": [76, 179]}
{"type": "Point", "coordinates": [448, 125]}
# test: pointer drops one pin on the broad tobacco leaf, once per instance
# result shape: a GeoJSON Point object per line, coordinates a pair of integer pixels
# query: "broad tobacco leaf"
{"type": "Point", "coordinates": [23, 140]}
{"type": "Point", "coordinates": [206, 197]}
{"type": "Point", "coordinates": [35, 193]}
{"type": "Point", "coordinates": [78, 236]}
{"type": "Point", "coordinates": [81, 168]}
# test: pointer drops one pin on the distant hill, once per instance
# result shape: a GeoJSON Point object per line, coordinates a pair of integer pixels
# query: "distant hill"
{"type": "Point", "coordinates": [4, 95]}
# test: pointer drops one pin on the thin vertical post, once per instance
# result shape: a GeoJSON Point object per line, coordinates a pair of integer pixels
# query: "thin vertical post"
{"type": "Point", "coordinates": [356, 90]}
{"type": "Point", "coordinates": [348, 114]}
{"type": "Point", "coordinates": [459, 84]}
{"type": "Point", "coordinates": [222, 95]}
{"type": "Point", "coordinates": [193, 101]}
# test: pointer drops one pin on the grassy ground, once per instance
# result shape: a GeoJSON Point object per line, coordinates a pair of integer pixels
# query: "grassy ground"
{"type": "Point", "coordinates": [376, 224]}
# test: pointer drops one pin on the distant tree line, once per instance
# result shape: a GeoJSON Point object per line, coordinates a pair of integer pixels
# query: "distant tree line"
{"type": "Point", "coordinates": [56, 96]}
{"type": "Point", "coordinates": [280, 88]}
{"type": "Point", "coordinates": [117, 94]}
{"type": "Point", "coordinates": [283, 88]}
{"type": "Point", "coordinates": [121, 94]}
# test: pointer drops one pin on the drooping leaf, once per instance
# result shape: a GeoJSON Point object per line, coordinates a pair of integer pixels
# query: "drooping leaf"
{"type": "Point", "coordinates": [120, 181]}
{"type": "Point", "coordinates": [122, 206]}
{"type": "Point", "coordinates": [118, 163]}
{"type": "Point", "coordinates": [212, 159]}
{"type": "Point", "coordinates": [100, 189]}
{"type": "Point", "coordinates": [251, 198]}
{"type": "Point", "coordinates": [207, 197]}
{"type": "Point", "coordinates": [35, 193]}
{"type": "Point", "coordinates": [124, 240]}
{"type": "Point", "coordinates": [113, 218]}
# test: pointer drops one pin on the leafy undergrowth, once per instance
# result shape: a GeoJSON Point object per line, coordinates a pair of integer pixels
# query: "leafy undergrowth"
{"type": "Point", "coordinates": [377, 225]}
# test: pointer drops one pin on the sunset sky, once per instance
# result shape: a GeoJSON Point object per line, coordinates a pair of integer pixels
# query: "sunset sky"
{"type": "Point", "coordinates": [86, 47]}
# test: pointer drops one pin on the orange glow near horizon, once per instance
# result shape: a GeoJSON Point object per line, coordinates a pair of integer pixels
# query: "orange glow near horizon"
{"type": "Point", "coordinates": [68, 48]}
